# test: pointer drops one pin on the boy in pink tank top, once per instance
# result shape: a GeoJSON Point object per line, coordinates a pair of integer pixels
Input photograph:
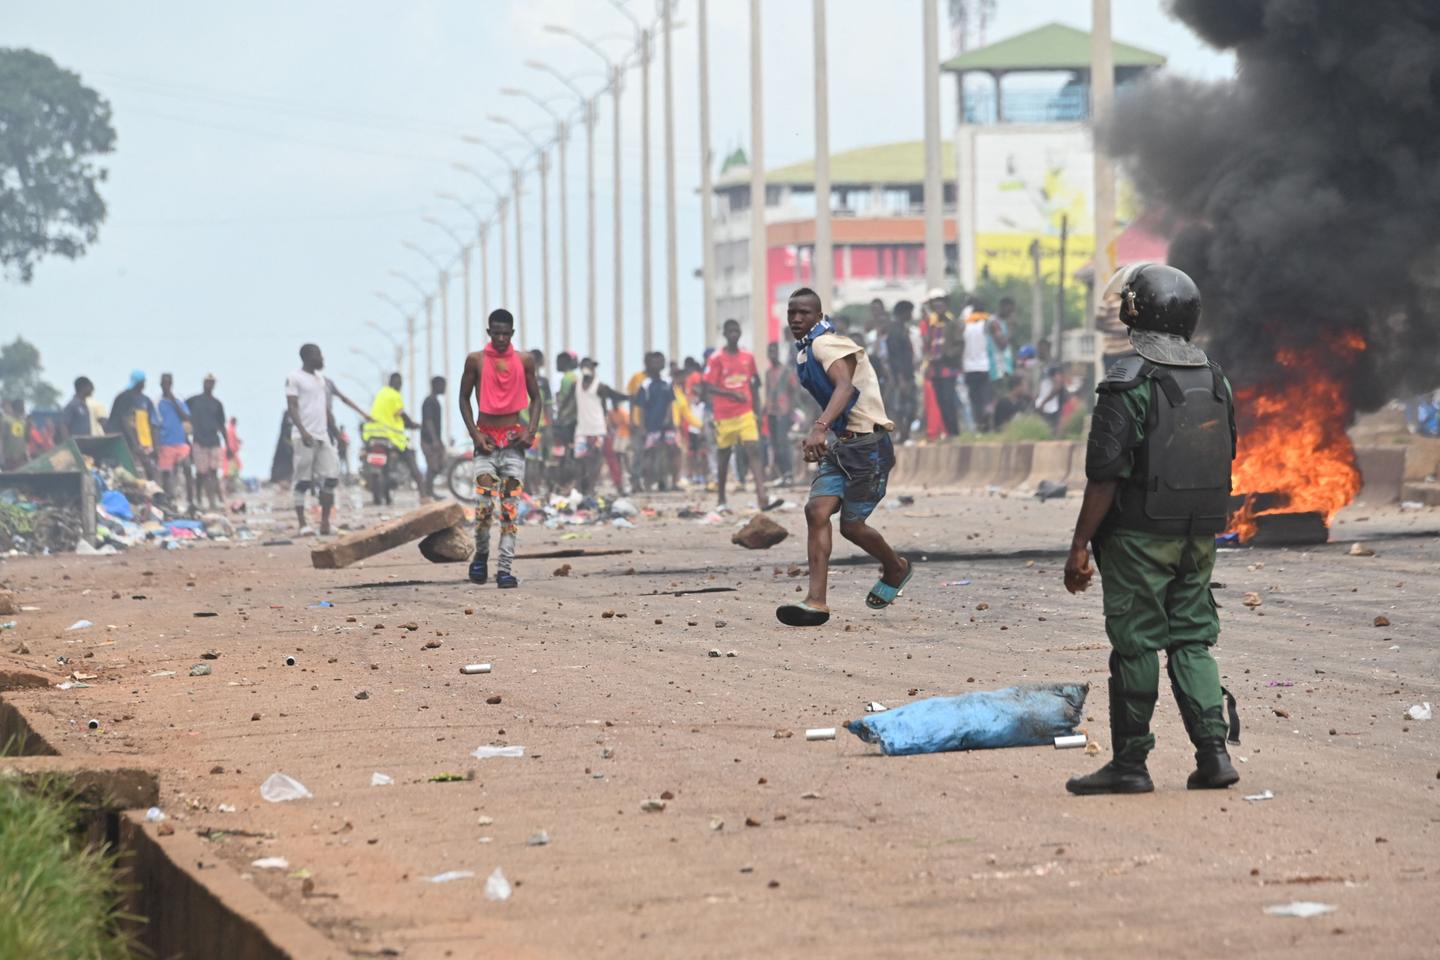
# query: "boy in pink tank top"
{"type": "Point", "coordinates": [502, 382]}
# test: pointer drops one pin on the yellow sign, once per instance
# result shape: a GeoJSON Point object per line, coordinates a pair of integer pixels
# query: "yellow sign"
{"type": "Point", "coordinates": [1004, 255]}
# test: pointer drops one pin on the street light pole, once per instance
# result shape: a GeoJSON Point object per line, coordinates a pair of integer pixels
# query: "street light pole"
{"type": "Point", "coordinates": [707, 209]}
{"type": "Point", "coordinates": [759, 279]}
{"type": "Point", "coordinates": [672, 280]}
{"type": "Point", "coordinates": [409, 316]}
{"type": "Point", "coordinates": [822, 267]}
{"type": "Point", "coordinates": [934, 189]}
{"type": "Point", "coordinates": [427, 300]}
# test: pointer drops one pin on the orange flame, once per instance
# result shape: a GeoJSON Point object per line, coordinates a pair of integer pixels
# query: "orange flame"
{"type": "Point", "coordinates": [1293, 439]}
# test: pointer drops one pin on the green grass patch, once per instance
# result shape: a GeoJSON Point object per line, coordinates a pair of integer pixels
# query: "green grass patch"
{"type": "Point", "coordinates": [59, 899]}
{"type": "Point", "coordinates": [1026, 428]}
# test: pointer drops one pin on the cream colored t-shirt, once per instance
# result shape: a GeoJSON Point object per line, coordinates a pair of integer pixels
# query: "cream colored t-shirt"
{"type": "Point", "coordinates": [868, 413]}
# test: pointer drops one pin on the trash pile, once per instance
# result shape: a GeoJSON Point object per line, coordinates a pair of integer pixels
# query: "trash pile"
{"type": "Point", "coordinates": [576, 509]}
{"type": "Point", "coordinates": [36, 524]}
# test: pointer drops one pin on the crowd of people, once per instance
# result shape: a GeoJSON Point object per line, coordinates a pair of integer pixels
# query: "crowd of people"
{"type": "Point", "coordinates": [172, 441]}
{"type": "Point", "coordinates": [944, 373]}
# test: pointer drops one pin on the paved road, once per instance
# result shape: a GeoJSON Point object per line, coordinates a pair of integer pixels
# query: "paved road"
{"type": "Point", "coordinates": [852, 854]}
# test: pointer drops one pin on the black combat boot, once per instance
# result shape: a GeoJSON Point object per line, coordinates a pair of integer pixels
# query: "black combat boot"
{"type": "Point", "coordinates": [1213, 770]}
{"type": "Point", "coordinates": [1117, 776]}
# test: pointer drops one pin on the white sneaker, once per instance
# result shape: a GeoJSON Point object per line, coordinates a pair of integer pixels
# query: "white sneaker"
{"type": "Point", "coordinates": [307, 531]}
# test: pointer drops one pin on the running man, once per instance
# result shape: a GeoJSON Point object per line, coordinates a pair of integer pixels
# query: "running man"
{"type": "Point", "coordinates": [503, 383]}
{"type": "Point", "coordinates": [732, 387]}
{"type": "Point", "coordinates": [854, 467]}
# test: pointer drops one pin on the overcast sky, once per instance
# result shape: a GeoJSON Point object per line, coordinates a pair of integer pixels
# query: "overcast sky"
{"type": "Point", "coordinates": [272, 156]}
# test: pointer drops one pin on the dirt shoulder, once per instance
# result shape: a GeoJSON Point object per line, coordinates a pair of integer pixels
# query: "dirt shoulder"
{"type": "Point", "coordinates": [852, 854]}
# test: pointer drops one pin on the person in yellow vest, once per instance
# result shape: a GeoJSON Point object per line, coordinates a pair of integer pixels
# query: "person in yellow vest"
{"type": "Point", "coordinates": [389, 421]}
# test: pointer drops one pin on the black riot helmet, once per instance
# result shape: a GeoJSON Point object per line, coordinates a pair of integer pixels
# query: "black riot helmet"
{"type": "Point", "coordinates": [1156, 297]}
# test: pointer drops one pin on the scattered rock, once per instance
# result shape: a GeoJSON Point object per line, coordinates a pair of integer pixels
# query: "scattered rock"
{"type": "Point", "coordinates": [563, 570]}
{"type": "Point", "coordinates": [1360, 550]}
{"type": "Point", "coordinates": [714, 652]}
{"type": "Point", "coordinates": [254, 716]}
{"type": "Point", "coordinates": [432, 644]}
{"type": "Point", "coordinates": [451, 545]}
{"type": "Point", "coordinates": [717, 824]}
{"type": "Point", "coordinates": [667, 795]}
{"type": "Point", "coordinates": [412, 626]}
{"type": "Point", "coordinates": [538, 839]}
{"type": "Point", "coordinates": [1252, 600]}
{"type": "Point", "coordinates": [653, 806]}
{"type": "Point", "coordinates": [9, 603]}
{"type": "Point", "coordinates": [761, 533]}
{"type": "Point", "coordinates": [1281, 713]}
{"type": "Point", "coordinates": [362, 695]}
{"type": "Point", "coordinates": [784, 734]}
{"type": "Point", "coordinates": [751, 822]}
{"type": "Point", "coordinates": [200, 670]}
{"type": "Point", "coordinates": [209, 655]}
{"type": "Point", "coordinates": [607, 615]}
{"type": "Point", "coordinates": [1382, 621]}
{"type": "Point", "coordinates": [982, 605]}
{"type": "Point", "coordinates": [493, 699]}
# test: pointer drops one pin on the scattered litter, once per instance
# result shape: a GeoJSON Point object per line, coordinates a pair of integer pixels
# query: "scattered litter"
{"type": "Point", "coordinates": [92, 724]}
{"type": "Point", "coordinates": [732, 653]}
{"type": "Point", "coordinates": [1420, 711]}
{"type": "Point", "coordinates": [820, 733]}
{"type": "Point", "coordinates": [79, 625]}
{"type": "Point", "coordinates": [381, 780]}
{"type": "Point", "coordinates": [874, 706]}
{"type": "Point", "coordinates": [717, 824]}
{"type": "Point", "coordinates": [225, 808]}
{"type": "Point", "coordinates": [1303, 909]}
{"type": "Point", "coordinates": [1252, 600]}
{"type": "Point", "coordinates": [1092, 749]}
{"type": "Point", "coordinates": [163, 673]}
{"type": "Point", "coordinates": [278, 788]}
{"type": "Point", "coordinates": [210, 655]}
{"type": "Point", "coordinates": [1071, 742]}
{"type": "Point", "coordinates": [1022, 716]}
{"type": "Point", "coordinates": [362, 694]}
{"type": "Point", "coordinates": [810, 795]}
{"type": "Point", "coordinates": [956, 583]}
{"type": "Point", "coordinates": [538, 839]}
{"type": "Point", "coordinates": [622, 523]}
{"type": "Point", "coordinates": [714, 652]}
{"type": "Point", "coordinates": [321, 605]}
{"type": "Point", "coordinates": [200, 670]}
{"type": "Point", "coordinates": [653, 806]}
{"type": "Point", "coordinates": [1358, 549]}
{"type": "Point", "coordinates": [449, 875]}
{"type": "Point", "coordinates": [289, 661]}
{"type": "Point", "coordinates": [271, 863]}
{"type": "Point", "coordinates": [473, 668]}
{"type": "Point", "coordinates": [7, 625]}
{"type": "Point", "coordinates": [205, 613]}
{"type": "Point", "coordinates": [1281, 683]}
{"type": "Point", "coordinates": [497, 888]}
{"type": "Point", "coordinates": [622, 507]}
{"type": "Point", "coordinates": [485, 753]}
{"type": "Point", "coordinates": [450, 778]}
{"type": "Point", "coordinates": [155, 815]}
{"type": "Point", "coordinates": [1262, 795]}
{"type": "Point", "coordinates": [1051, 490]}
{"type": "Point", "coordinates": [75, 685]}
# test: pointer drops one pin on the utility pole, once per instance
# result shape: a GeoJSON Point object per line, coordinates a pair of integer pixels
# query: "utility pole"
{"type": "Point", "coordinates": [561, 134]}
{"type": "Point", "coordinates": [615, 84]}
{"type": "Point", "coordinates": [759, 278]}
{"type": "Point", "coordinates": [591, 326]}
{"type": "Point", "coordinates": [1037, 295]}
{"type": "Point", "coordinates": [484, 281]}
{"type": "Point", "coordinates": [934, 189]}
{"type": "Point", "coordinates": [1102, 99]}
{"type": "Point", "coordinates": [1056, 348]}
{"type": "Point", "coordinates": [504, 258]}
{"type": "Point", "coordinates": [520, 317]}
{"type": "Point", "coordinates": [672, 280]}
{"type": "Point", "coordinates": [822, 265]}
{"type": "Point", "coordinates": [707, 209]}
{"type": "Point", "coordinates": [429, 338]}
{"type": "Point", "coordinates": [545, 253]}
{"type": "Point", "coordinates": [647, 307]}
{"type": "Point", "coordinates": [410, 352]}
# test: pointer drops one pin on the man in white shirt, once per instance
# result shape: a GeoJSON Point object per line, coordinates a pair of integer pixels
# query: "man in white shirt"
{"type": "Point", "coordinates": [317, 465]}
{"type": "Point", "coordinates": [977, 367]}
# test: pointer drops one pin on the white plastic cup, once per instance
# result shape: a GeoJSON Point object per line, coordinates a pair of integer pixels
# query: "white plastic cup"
{"type": "Point", "coordinates": [820, 733]}
{"type": "Point", "coordinates": [1070, 742]}
{"type": "Point", "coordinates": [93, 724]}
{"type": "Point", "coordinates": [289, 661]}
{"type": "Point", "coordinates": [471, 668]}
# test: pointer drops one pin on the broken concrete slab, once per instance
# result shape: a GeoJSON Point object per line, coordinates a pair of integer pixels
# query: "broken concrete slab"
{"type": "Point", "coordinates": [761, 533]}
{"type": "Point", "coordinates": [430, 518]}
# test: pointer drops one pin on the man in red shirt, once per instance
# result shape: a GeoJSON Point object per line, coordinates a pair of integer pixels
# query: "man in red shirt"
{"type": "Point", "coordinates": [732, 387]}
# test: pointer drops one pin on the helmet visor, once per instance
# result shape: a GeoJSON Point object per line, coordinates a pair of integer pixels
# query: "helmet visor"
{"type": "Point", "coordinates": [1111, 294]}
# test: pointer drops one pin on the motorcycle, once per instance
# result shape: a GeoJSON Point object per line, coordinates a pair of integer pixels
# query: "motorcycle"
{"type": "Point", "coordinates": [383, 470]}
{"type": "Point", "coordinates": [460, 475]}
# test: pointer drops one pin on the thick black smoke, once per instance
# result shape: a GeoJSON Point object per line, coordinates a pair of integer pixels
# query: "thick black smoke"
{"type": "Point", "coordinates": [1305, 194]}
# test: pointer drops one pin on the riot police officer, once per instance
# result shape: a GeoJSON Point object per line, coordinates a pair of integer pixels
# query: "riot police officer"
{"type": "Point", "coordinates": [1157, 492]}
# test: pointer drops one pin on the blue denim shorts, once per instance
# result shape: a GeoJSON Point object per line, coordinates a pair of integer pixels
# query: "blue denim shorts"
{"type": "Point", "coordinates": [856, 471]}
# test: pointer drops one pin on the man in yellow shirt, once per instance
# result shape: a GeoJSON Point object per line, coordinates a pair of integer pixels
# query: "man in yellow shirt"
{"type": "Point", "coordinates": [389, 421]}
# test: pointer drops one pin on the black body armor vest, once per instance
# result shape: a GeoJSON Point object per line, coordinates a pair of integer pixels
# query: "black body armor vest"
{"type": "Point", "coordinates": [1180, 485]}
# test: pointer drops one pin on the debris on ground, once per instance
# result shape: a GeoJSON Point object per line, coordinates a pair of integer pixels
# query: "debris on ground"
{"type": "Point", "coordinates": [1252, 600]}
{"type": "Point", "coordinates": [200, 670]}
{"type": "Point", "coordinates": [1262, 795]}
{"type": "Point", "coordinates": [1051, 490]}
{"type": "Point", "coordinates": [1358, 549]}
{"type": "Point", "coordinates": [79, 625]}
{"type": "Point", "coordinates": [452, 545]}
{"type": "Point", "coordinates": [1420, 711]}
{"type": "Point", "coordinates": [431, 518]}
{"type": "Point", "coordinates": [1021, 716]}
{"type": "Point", "coordinates": [485, 753]}
{"type": "Point", "coordinates": [271, 863]}
{"type": "Point", "coordinates": [1382, 621]}
{"type": "Point", "coordinates": [378, 779]}
{"type": "Point", "coordinates": [761, 533]}
{"type": "Point", "coordinates": [538, 839]}
{"type": "Point", "coordinates": [653, 806]}
{"type": "Point", "coordinates": [1304, 909]}
{"type": "Point", "coordinates": [820, 733]}
{"type": "Point", "coordinates": [450, 875]}
{"type": "Point", "coordinates": [497, 888]}
{"type": "Point", "coordinates": [280, 788]}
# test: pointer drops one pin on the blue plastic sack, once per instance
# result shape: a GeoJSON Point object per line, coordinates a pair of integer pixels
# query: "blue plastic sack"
{"type": "Point", "coordinates": [1025, 716]}
{"type": "Point", "coordinates": [116, 505]}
